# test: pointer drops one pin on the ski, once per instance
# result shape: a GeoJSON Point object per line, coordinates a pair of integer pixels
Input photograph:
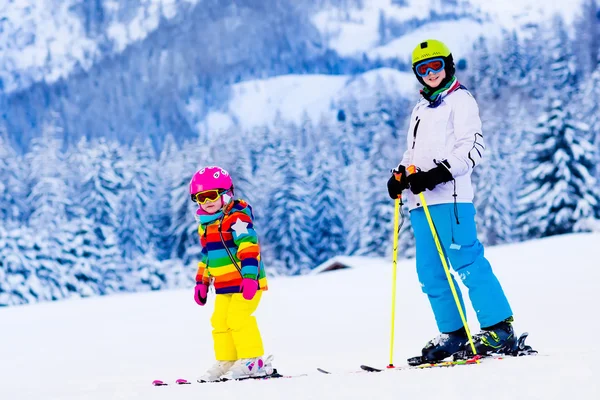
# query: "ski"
{"type": "Point", "coordinates": [463, 357]}
{"type": "Point", "coordinates": [274, 375]}
{"type": "Point", "coordinates": [180, 381]}
{"type": "Point", "coordinates": [441, 364]}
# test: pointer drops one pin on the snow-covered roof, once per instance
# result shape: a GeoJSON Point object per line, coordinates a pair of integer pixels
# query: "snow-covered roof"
{"type": "Point", "coordinates": [342, 262]}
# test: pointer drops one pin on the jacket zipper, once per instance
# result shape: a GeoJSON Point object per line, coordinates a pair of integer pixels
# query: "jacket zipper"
{"type": "Point", "coordinates": [415, 132]}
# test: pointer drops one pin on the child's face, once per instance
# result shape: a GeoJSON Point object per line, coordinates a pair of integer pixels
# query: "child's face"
{"type": "Point", "coordinates": [212, 207]}
{"type": "Point", "coordinates": [433, 80]}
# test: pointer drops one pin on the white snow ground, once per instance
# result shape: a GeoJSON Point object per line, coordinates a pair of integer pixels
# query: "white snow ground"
{"type": "Point", "coordinates": [113, 347]}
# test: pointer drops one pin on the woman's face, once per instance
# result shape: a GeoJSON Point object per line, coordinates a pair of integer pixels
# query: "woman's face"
{"type": "Point", "coordinates": [433, 80]}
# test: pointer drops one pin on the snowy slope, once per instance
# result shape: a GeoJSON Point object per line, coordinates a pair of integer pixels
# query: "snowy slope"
{"type": "Point", "coordinates": [112, 348]}
{"type": "Point", "coordinates": [41, 39]}
{"type": "Point", "coordinates": [257, 102]}
{"type": "Point", "coordinates": [355, 31]}
{"type": "Point", "coordinates": [457, 35]}
{"type": "Point", "coordinates": [47, 39]}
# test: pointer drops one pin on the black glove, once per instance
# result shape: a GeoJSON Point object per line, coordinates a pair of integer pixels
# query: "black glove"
{"type": "Point", "coordinates": [395, 187]}
{"type": "Point", "coordinates": [419, 181]}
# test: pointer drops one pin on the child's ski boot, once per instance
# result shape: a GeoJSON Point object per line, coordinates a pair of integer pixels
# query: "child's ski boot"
{"type": "Point", "coordinates": [215, 372]}
{"type": "Point", "coordinates": [247, 368]}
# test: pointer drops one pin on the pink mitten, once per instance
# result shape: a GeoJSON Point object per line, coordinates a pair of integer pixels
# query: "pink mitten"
{"type": "Point", "coordinates": [200, 293]}
{"type": "Point", "coordinates": [248, 288]}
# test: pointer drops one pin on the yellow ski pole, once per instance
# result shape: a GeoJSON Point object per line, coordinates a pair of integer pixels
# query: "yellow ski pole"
{"type": "Point", "coordinates": [397, 206]}
{"type": "Point", "coordinates": [411, 170]}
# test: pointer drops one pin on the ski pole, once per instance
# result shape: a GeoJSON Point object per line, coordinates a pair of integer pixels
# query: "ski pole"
{"type": "Point", "coordinates": [397, 225]}
{"type": "Point", "coordinates": [411, 170]}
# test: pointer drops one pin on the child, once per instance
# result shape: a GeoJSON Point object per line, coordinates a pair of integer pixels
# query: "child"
{"type": "Point", "coordinates": [445, 142]}
{"type": "Point", "coordinates": [231, 261]}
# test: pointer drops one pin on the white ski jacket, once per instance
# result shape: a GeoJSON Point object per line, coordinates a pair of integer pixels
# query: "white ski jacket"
{"type": "Point", "coordinates": [450, 131]}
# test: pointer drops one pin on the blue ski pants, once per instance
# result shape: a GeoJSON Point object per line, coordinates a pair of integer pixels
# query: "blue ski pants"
{"type": "Point", "coordinates": [465, 253]}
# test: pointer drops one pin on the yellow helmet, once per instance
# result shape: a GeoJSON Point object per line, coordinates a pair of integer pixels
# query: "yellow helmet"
{"type": "Point", "coordinates": [429, 49]}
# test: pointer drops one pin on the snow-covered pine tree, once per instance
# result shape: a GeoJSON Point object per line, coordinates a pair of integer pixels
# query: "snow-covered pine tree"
{"type": "Point", "coordinates": [590, 112]}
{"type": "Point", "coordinates": [378, 221]}
{"type": "Point", "coordinates": [49, 194]}
{"type": "Point", "coordinates": [184, 229]}
{"type": "Point", "coordinates": [587, 32]}
{"type": "Point", "coordinates": [562, 72]}
{"type": "Point", "coordinates": [18, 266]}
{"type": "Point", "coordinates": [136, 198]}
{"type": "Point", "coordinates": [148, 272]}
{"type": "Point", "coordinates": [82, 248]}
{"type": "Point", "coordinates": [536, 65]}
{"type": "Point", "coordinates": [160, 212]}
{"type": "Point", "coordinates": [263, 154]}
{"type": "Point", "coordinates": [82, 257]}
{"type": "Point", "coordinates": [329, 235]}
{"type": "Point", "coordinates": [234, 155]}
{"type": "Point", "coordinates": [13, 184]}
{"type": "Point", "coordinates": [486, 75]}
{"type": "Point", "coordinates": [512, 61]}
{"type": "Point", "coordinates": [50, 197]}
{"type": "Point", "coordinates": [288, 213]}
{"type": "Point", "coordinates": [101, 187]}
{"type": "Point", "coordinates": [343, 136]}
{"type": "Point", "coordinates": [495, 213]}
{"type": "Point", "coordinates": [559, 187]}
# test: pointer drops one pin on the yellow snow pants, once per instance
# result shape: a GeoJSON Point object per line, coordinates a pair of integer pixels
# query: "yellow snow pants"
{"type": "Point", "coordinates": [235, 331]}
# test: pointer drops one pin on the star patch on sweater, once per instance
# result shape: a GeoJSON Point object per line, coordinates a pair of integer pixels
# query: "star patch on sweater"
{"type": "Point", "coordinates": [240, 227]}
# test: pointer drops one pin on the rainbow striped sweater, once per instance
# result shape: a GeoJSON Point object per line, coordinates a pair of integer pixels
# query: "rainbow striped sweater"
{"type": "Point", "coordinates": [240, 243]}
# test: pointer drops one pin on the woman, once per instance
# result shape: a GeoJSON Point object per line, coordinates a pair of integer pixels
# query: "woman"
{"type": "Point", "coordinates": [445, 143]}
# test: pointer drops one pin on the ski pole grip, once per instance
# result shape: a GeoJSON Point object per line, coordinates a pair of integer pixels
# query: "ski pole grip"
{"type": "Point", "coordinates": [398, 176]}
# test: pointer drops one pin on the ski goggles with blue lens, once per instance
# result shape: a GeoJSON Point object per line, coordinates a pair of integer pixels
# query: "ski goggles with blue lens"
{"type": "Point", "coordinates": [434, 65]}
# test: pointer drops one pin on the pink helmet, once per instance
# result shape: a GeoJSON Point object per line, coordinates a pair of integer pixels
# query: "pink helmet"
{"type": "Point", "coordinates": [210, 178]}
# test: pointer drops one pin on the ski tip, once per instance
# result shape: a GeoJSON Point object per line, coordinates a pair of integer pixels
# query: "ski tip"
{"type": "Point", "coordinates": [416, 361]}
{"type": "Point", "coordinates": [158, 382]}
{"type": "Point", "coordinates": [323, 371]}
{"type": "Point", "coordinates": [182, 381]}
{"type": "Point", "coordinates": [370, 369]}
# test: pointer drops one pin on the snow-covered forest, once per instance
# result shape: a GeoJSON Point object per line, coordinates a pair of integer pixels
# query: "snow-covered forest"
{"type": "Point", "coordinates": [86, 214]}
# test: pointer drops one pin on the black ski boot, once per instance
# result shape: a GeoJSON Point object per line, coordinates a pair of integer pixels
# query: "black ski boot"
{"type": "Point", "coordinates": [495, 339]}
{"type": "Point", "coordinates": [440, 347]}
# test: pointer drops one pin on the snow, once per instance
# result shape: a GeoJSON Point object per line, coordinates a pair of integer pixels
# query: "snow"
{"type": "Point", "coordinates": [514, 14]}
{"type": "Point", "coordinates": [145, 20]}
{"type": "Point", "coordinates": [349, 261]}
{"type": "Point", "coordinates": [114, 347]}
{"type": "Point", "coordinates": [460, 41]}
{"type": "Point", "coordinates": [257, 102]}
{"type": "Point", "coordinates": [355, 31]}
{"type": "Point", "coordinates": [46, 39]}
